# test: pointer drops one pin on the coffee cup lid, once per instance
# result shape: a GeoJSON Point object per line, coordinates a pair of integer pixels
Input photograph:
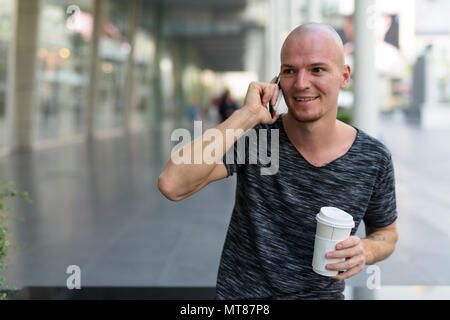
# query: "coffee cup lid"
{"type": "Point", "coordinates": [335, 217]}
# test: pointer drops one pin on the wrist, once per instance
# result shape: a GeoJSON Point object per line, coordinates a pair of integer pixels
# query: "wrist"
{"type": "Point", "coordinates": [250, 119]}
{"type": "Point", "coordinates": [367, 250]}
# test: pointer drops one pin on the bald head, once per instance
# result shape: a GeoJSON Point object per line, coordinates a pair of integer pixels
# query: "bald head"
{"type": "Point", "coordinates": [323, 32]}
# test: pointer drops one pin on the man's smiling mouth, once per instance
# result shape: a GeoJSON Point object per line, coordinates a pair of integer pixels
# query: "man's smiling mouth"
{"type": "Point", "coordinates": [304, 99]}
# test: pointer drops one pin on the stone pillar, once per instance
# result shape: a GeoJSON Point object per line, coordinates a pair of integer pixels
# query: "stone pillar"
{"type": "Point", "coordinates": [156, 115]}
{"type": "Point", "coordinates": [94, 62]}
{"type": "Point", "coordinates": [295, 14]}
{"type": "Point", "coordinates": [179, 65]}
{"type": "Point", "coordinates": [277, 30]}
{"type": "Point", "coordinates": [255, 54]}
{"type": "Point", "coordinates": [130, 105]}
{"type": "Point", "coordinates": [314, 11]}
{"type": "Point", "coordinates": [365, 114]}
{"type": "Point", "coordinates": [433, 113]}
{"type": "Point", "coordinates": [24, 91]}
{"type": "Point", "coordinates": [431, 92]}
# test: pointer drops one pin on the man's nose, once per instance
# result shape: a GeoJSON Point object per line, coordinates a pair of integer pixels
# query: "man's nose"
{"type": "Point", "coordinates": [302, 81]}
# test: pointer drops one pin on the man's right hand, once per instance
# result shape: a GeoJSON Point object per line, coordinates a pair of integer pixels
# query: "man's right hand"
{"type": "Point", "coordinates": [258, 96]}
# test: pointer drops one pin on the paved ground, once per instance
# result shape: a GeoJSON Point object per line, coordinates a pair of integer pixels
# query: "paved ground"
{"type": "Point", "coordinates": [97, 206]}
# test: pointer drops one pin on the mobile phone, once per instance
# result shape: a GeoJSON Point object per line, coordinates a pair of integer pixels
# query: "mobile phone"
{"type": "Point", "coordinates": [271, 109]}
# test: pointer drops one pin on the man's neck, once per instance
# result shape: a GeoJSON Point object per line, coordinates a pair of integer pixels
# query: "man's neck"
{"type": "Point", "coordinates": [311, 136]}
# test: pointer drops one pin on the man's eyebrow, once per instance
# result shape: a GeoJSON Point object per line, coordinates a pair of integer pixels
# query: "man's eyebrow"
{"type": "Point", "coordinates": [312, 65]}
{"type": "Point", "coordinates": [318, 64]}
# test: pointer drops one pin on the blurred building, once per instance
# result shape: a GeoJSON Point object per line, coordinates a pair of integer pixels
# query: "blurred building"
{"type": "Point", "coordinates": [77, 69]}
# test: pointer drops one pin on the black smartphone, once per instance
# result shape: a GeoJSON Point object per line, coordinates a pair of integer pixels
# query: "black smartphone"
{"type": "Point", "coordinates": [271, 109]}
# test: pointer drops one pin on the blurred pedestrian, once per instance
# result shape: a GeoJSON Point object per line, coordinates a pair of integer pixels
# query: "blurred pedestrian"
{"type": "Point", "coordinates": [193, 112]}
{"type": "Point", "coordinates": [226, 105]}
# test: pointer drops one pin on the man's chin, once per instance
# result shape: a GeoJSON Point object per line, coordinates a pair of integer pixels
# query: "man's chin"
{"type": "Point", "coordinates": [304, 118]}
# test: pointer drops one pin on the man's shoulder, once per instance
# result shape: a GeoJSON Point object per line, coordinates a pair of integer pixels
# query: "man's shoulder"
{"type": "Point", "coordinates": [371, 146]}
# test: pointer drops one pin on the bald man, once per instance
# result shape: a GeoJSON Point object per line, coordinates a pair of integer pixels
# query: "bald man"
{"type": "Point", "coordinates": [322, 161]}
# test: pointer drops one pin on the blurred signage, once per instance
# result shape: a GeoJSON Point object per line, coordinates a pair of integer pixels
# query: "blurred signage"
{"type": "Point", "coordinates": [193, 28]}
{"type": "Point", "coordinates": [82, 23]}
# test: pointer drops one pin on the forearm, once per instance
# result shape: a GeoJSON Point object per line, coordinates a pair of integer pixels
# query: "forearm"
{"type": "Point", "coordinates": [379, 245]}
{"type": "Point", "coordinates": [181, 177]}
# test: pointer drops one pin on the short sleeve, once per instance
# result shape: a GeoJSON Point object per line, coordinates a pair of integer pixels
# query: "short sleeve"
{"type": "Point", "coordinates": [243, 152]}
{"type": "Point", "coordinates": [235, 156]}
{"type": "Point", "coordinates": [382, 208]}
{"type": "Point", "coordinates": [229, 160]}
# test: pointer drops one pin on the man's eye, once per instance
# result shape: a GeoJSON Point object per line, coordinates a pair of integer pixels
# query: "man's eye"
{"type": "Point", "coordinates": [288, 71]}
{"type": "Point", "coordinates": [318, 70]}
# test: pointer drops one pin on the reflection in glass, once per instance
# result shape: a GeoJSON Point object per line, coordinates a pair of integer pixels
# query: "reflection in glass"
{"type": "Point", "coordinates": [114, 50]}
{"type": "Point", "coordinates": [144, 53]}
{"type": "Point", "coordinates": [63, 68]}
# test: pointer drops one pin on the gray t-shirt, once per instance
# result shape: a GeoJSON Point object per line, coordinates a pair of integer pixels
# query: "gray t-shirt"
{"type": "Point", "coordinates": [268, 249]}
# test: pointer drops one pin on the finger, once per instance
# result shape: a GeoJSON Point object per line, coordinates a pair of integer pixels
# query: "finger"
{"type": "Point", "coordinates": [348, 243]}
{"type": "Point", "coordinates": [274, 119]}
{"type": "Point", "coordinates": [268, 94]}
{"type": "Point", "coordinates": [254, 92]}
{"type": "Point", "coordinates": [343, 253]}
{"type": "Point", "coordinates": [349, 273]}
{"type": "Point", "coordinates": [345, 265]}
{"type": "Point", "coordinates": [274, 80]}
{"type": "Point", "coordinates": [275, 95]}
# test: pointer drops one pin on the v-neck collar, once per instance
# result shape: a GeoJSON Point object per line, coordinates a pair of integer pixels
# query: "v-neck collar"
{"type": "Point", "coordinates": [291, 145]}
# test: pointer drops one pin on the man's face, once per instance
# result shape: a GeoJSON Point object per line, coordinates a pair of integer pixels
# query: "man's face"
{"type": "Point", "coordinates": [312, 73]}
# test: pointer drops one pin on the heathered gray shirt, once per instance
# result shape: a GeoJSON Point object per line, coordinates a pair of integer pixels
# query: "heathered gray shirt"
{"type": "Point", "coordinates": [268, 249]}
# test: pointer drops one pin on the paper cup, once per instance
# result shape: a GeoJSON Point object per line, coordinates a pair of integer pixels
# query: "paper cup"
{"type": "Point", "coordinates": [333, 226]}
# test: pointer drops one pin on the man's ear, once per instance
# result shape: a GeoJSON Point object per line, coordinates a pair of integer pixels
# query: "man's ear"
{"type": "Point", "coordinates": [346, 73]}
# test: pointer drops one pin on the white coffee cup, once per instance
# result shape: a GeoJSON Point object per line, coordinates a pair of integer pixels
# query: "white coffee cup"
{"type": "Point", "coordinates": [333, 226]}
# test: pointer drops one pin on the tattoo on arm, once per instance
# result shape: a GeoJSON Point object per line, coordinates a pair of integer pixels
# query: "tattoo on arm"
{"type": "Point", "coordinates": [376, 236]}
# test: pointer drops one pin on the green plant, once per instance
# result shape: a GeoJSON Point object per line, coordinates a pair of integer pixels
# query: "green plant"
{"type": "Point", "coordinates": [7, 190]}
{"type": "Point", "coordinates": [344, 115]}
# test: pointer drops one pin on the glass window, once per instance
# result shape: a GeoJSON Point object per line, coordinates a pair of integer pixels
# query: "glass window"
{"type": "Point", "coordinates": [144, 53]}
{"type": "Point", "coordinates": [6, 15]}
{"type": "Point", "coordinates": [62, 70]}
{"type": "Point", "coordinates": [114, 51]}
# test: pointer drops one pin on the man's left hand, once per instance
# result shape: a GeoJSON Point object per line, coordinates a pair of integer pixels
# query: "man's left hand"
{"type": "Point", "coordinates": [352, 249]}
